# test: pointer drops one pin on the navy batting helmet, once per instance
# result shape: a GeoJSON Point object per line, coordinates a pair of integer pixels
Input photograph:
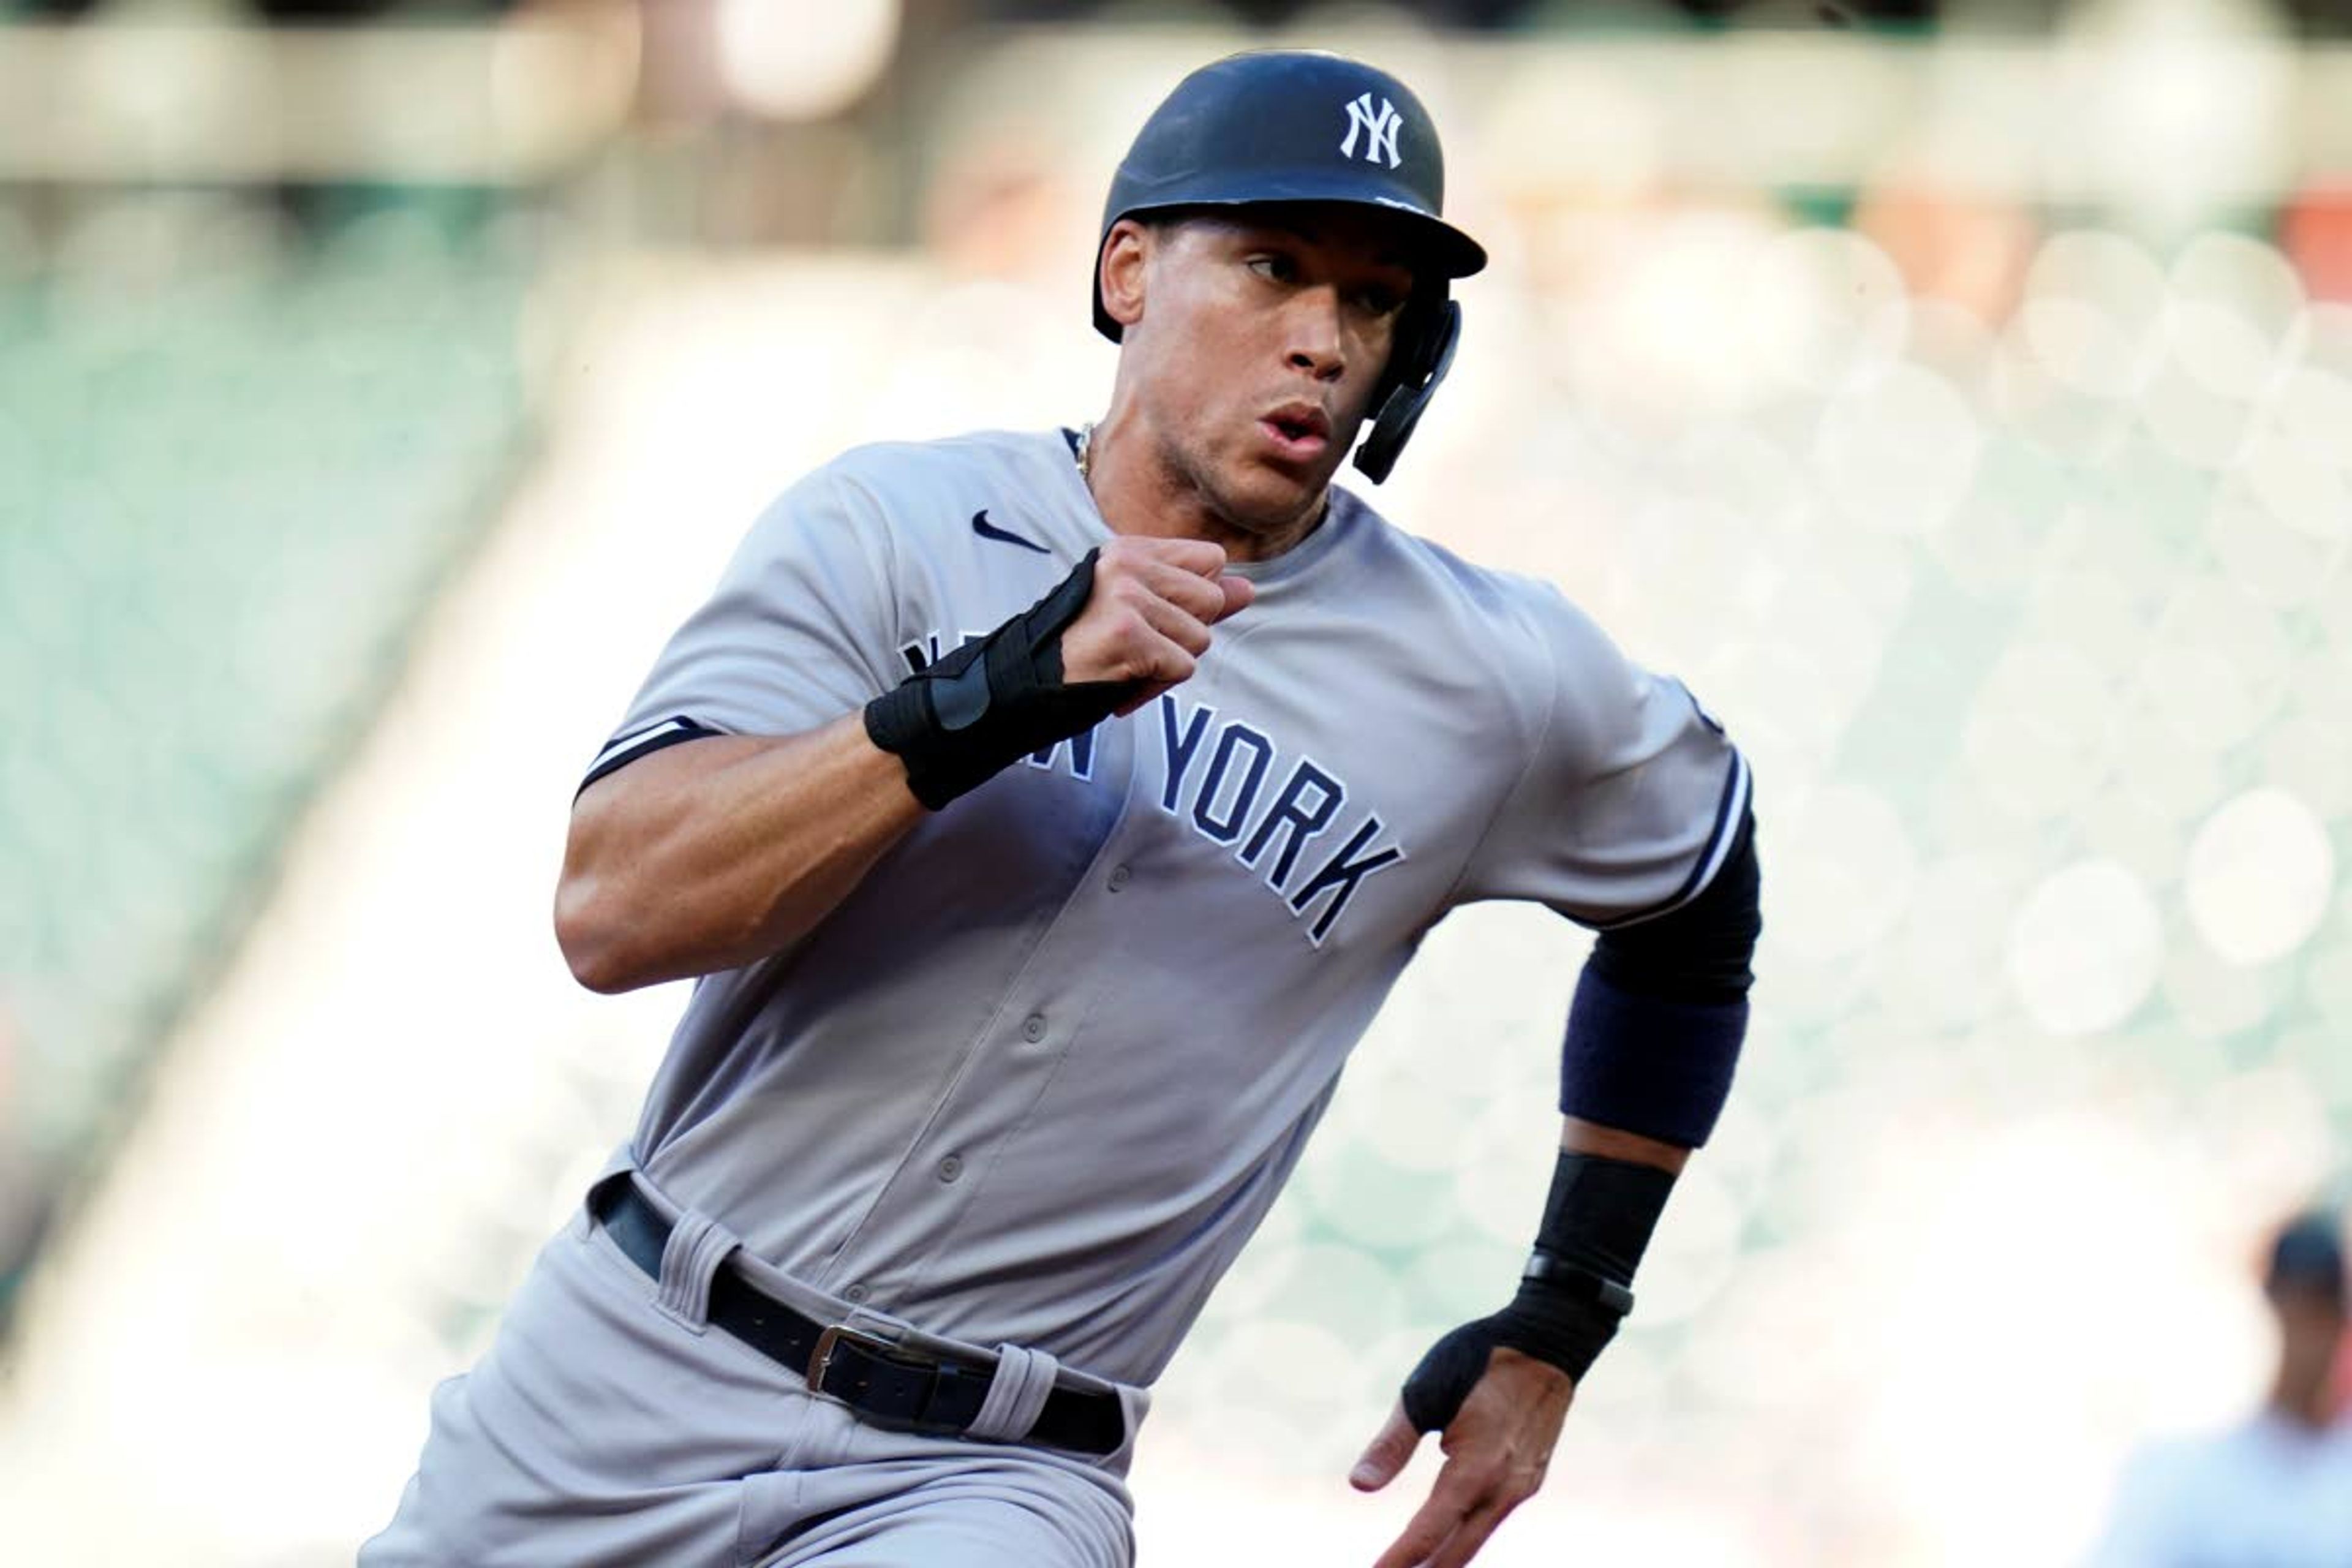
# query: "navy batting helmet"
{"type": "Point", "coordinates": [1281, 125]}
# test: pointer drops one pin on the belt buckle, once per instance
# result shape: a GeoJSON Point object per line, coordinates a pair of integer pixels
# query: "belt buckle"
{"type": "Point", "coordinates": [821, 1358]}
{"type": "Point", "coordinates": [821, 1364]}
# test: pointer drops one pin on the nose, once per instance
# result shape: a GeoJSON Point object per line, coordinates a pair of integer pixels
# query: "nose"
{"type": "Point", "coordinates": [1313, 330]}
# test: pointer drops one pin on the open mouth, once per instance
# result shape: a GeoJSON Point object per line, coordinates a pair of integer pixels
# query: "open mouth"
{"type": "Point", "coordinates": [1297, 430]}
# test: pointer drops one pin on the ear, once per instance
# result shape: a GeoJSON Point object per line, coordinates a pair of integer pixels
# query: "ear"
{"type": "Point", "coordinates": [1126, 254]}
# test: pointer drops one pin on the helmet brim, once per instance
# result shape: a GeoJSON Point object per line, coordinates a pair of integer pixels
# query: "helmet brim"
{"type": "Point", "coordinates": [1437, 249]}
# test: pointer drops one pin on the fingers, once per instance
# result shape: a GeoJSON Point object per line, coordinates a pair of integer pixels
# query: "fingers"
{"type": "Point", "coordinates": [1462, 1510]}
{"type": "Point", "coordinates": [1197, 556]}
{"type": "Point", "coordinates": [1163, 640]}
{"type": "Point", "coordinates": [1496, 1446]}
{"type": "Point", "coordinates": [1424, 1535]}
{"type": "Point", "coordinates": [1147, 619]}
{"type": "Point", "coordinates": [1199, 597]}
{"type": "Point", "coordinates": [1189, 572]}
{"type": "Point", "coordinates": [1387, 1454]}
{"type": "Point", "coordinates": [1471, 1534]}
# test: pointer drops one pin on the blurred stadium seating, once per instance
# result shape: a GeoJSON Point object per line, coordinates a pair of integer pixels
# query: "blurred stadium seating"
{"type": "Point", "coordinates": [238, 462]}
{"type": "Point", "coordinates": [1965, 424]}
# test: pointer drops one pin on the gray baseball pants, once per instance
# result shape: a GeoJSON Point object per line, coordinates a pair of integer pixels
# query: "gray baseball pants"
{"type": "Point", "coordinates": [607, 1425]}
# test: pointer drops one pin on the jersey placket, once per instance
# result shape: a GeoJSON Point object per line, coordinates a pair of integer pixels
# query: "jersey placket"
{"type": "Point", "coordinates": [1039, 1022]}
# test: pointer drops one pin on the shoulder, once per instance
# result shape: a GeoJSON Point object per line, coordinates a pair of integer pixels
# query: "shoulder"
{"type": "Point", "coordinates": [870, 495]}
{"type": "Point", "coordinates": [1494, 640]}
{"type": "Point", "coordinates": [1589, 708]}
{"type": "Point", "coordinates": [2186, 1472]}
{"type": "Point", "coordinates": [1432, 568]}
{"type": "Point", "coordinates": [2155, 1487]}
{"type": "Point", "coordinates": [896, 473]}
{"type": "Point", "coordinates": [1523, 627]}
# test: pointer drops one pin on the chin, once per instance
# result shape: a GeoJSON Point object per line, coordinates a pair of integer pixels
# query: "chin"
{"type": "Point", "coordinates": [1267, 502]}
{"type": "Point", "coordinates": [1278, 492]}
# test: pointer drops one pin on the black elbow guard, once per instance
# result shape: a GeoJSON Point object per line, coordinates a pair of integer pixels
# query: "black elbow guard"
{"type": "Point", "coordinates": [1661, 1011]}
{"type": "Point", "coordinates": [1700, 953]}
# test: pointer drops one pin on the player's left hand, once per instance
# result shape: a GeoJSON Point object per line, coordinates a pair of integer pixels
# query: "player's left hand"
{"type": "Point", "coordinates": [1495, 1451]}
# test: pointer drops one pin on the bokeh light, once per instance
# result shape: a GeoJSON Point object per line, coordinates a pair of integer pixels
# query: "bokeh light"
{"type": "Point", "coordinates": [2084, 948]}
{"type": "Point", "coordinates": [2260, 873]}
{"type": "Point", "coordinates": [804, 59]}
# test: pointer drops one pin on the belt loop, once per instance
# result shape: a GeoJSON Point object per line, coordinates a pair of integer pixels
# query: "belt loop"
{"type": "Point", "coordinates": [1015, 1394]}
{"type": "Point", "coordinates": [698, 1244]}
{"type": "Point", "coordinates": [594, 1200]}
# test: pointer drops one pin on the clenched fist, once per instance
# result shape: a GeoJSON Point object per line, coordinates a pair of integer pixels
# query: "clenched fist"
{"type": "Point", "coordinates": [1148, 617]}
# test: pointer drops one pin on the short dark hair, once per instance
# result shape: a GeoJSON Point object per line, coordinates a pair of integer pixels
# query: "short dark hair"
{"type": "Point", "coordinates": [2308, 1258]}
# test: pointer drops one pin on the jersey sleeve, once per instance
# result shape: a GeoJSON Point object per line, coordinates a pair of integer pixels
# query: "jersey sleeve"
{"type": "Point", "coordinates": [1631, 795]}
{"type": "Point", "coordinates": [797, 633]}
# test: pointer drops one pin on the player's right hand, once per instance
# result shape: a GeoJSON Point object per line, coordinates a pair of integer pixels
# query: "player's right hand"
{"type": "Point", "coordinates": [1148, 617]}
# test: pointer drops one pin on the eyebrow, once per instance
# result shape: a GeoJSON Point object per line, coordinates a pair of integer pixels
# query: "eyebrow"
{"type": "Point", "coordinates": [1299, 231]}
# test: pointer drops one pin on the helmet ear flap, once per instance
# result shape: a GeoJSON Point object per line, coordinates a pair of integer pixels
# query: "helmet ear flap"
{"type": "Point", "coordinates": [1425, 341]}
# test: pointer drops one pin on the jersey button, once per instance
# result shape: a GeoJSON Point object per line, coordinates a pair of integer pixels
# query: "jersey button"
{"type": "Point", "coordinates": [853, 1293]}
{"type": "Point", "coordinates": [1119, 875]}
{"type": "Point", "coordinates": [1032, 1030]}
{"type": "Point", "coordinates": [950, 1168]}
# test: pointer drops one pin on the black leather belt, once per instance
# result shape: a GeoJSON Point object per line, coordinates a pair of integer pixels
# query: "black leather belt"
{"type": "Point", "coordinates": [888, 1384]}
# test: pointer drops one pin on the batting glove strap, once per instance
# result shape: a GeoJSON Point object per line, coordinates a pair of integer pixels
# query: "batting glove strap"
{"type": "Point", "coordinates": [1564, 1327]}
{"type": "Point", "coordinates": [1599, 1216]}
{"type": "Point", "coordinates": [1598, 1219]}
{"type": "Point", "coordinates": [961, 720]}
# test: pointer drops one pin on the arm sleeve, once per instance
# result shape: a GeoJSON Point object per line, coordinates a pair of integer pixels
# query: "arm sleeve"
{"type": "Point", "coordinates": [798, 632]}
{"type": "Point", "coordinates": [1630, 797]}
{"type": "Point", "coordinates": [1661, 1011]}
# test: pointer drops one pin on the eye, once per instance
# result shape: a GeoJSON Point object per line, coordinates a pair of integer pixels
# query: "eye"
{"type": "Point", "coordinates": [1379, 300]}
{"type": "Point", "coordinates": [1274, 266]}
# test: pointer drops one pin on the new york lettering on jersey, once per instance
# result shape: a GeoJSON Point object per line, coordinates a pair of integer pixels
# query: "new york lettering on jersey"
{"type": "Point", "coordinates": [1239, 789]}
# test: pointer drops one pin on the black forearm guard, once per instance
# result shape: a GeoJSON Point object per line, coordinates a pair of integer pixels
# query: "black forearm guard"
{"type": "Point", "coordinates": [1577, 1288]}
{"type": "Point", "coordinates": [960, 719]}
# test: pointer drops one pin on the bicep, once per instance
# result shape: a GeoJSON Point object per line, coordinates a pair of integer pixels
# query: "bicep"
{"type": "Point", "coordinates": [661, 786]}
{"type": "Point", "coordinates": [623, 777]}
{"type": "Point", "coordinates": [798, 632]}
{"type": "Point", "coordinates": [1631, 795]}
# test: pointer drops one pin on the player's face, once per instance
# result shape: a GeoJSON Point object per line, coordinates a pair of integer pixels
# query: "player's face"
{"type": "Point", "coordinates": [2311, 1328]}
{"type": "Point", "coordinates": [1263, 334]}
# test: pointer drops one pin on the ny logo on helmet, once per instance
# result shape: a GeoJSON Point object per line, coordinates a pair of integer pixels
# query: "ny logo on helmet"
{"type": "Point", "coordinates": [1380, 130]}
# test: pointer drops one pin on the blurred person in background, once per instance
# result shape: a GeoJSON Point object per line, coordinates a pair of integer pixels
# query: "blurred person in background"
{"type": "Point", "coordinates": [1025, 970]}
{"type": "Point", "coordinates": [2275, 1491]}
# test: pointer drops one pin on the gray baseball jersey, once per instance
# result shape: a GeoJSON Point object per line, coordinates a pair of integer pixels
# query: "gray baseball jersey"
{"type": "Point", "coordinates": [1040, 1076]}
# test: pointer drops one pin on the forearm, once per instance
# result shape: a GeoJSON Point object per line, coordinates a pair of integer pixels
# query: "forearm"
{"type": "Point", "coordinates": [1651, 1041]}
{"type": "Point", "coordinates": [1578, 1136]}
{"type": "Point", "coordinates": [714, 854]}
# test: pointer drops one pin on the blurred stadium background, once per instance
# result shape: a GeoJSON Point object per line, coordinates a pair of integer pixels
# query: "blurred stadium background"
{"type": "Point", "coordinates": [1958, 396]}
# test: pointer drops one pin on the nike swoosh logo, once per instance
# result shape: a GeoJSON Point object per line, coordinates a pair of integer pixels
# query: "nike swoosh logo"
{"type": "Point", "coordinates": [987, 529]}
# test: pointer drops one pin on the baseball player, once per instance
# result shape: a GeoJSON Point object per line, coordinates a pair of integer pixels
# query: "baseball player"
{"type": "Point", "coordinates": [1044, 817]}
